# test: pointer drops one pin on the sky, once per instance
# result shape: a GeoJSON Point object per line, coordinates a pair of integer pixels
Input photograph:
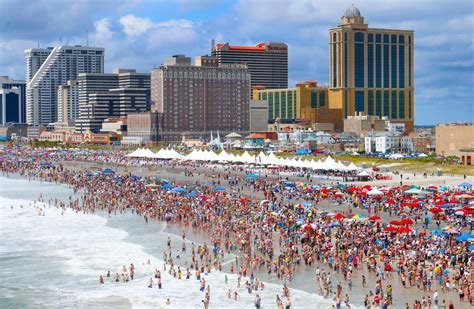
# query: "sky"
{"type": "Point", "coordinates": [139, 34]}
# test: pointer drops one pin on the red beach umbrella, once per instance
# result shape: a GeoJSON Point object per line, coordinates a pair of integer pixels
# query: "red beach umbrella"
{"type": "Point", "coordinates": [374, 218]}
{"type": "Point", "coordinates": [389, 229]}
{"type": "Point", "coordinates": [406, 221]}
{"type": "Point", "coordinates": [339, 217]}
{"type": "Point", "coordinates": [435, 210]}
{"type": "Point", "coordinates": [395, 222]}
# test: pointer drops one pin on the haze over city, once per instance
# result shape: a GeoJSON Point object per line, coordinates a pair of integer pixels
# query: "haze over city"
{"type": "Point", "coordinates": [141, 34]}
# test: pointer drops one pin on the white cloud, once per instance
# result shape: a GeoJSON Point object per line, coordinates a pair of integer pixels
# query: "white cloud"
{"type": "Point", "coordinates": [102, 29]}
{"type": "Point", "coordinates": [134, 26]}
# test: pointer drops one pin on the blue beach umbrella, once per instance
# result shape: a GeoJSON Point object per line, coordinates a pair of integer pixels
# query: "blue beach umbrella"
{"type": "Point", "coordinates": [107, 171]}
{"type": "Point", "coordinates": [465, 237]}
{"type": "Point", "coordinates": [192, 194]}
{"type": "Point", "coordinates": [306, 204]}
{"type": "Point", "coordinates": [251, 176]}
{"type": "Point", "coordinates": [465, 185]}
{"type": "Point", "coordinates": [166, 186]}
{"type": "Point", "coordinates": [471, 248]}
{"type": "Point", "coordinates": [177, 190]}
{"type": "Point", "coordinates": [219, 188]}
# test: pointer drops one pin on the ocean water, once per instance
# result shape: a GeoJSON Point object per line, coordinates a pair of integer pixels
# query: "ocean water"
{"type": "Point", "coordinates": [54, 261]}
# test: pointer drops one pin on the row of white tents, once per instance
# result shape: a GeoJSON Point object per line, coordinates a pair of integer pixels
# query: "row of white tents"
{"type": "Point", "coordinates": [246, 158]}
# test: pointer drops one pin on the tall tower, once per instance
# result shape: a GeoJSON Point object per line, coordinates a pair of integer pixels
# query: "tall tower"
{"type": "Point", "coordinates": [46, 69]}
{"type": "Point", "coordinates": [371, 70]}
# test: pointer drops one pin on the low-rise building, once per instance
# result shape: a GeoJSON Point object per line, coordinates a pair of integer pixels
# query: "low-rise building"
{"type": "Point", "coordinates": [13, 131]}
{"type": "Point", "coordinates": [258, 115]}
{"type": "Point", "coordinates": [387, 142]}
{"type": "Point", "coordinates": [115, 125]}
{"type": "Point", "coordinates": [363, 124]}
{"type": "Point", "coordinates": [34, 131]}
{"type": "Point", "coordinates": [452, 138]}
{"type": "Point", "coordinates": [144, 125]}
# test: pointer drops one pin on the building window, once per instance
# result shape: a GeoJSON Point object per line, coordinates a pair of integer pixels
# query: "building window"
{"type": "Point", "coordinates": [359, 37]}
{"type": "Point", "coordinates": [334, 65]}
{"type": "Point", "coordinates": [409, 104]}
{"type": "Point", "coordinates": [264, 96]}
{"type": "Point", "coordinates": [314, 99]}
{"type": "Point", "coordinates": [401, 61]}
{"type": "Point", "coordinates": [409, 66]}
{"type": "Point", "coordinates": [385, 38]}
{"type": "Point", "coordinates": [394, 65]}
{"type": "Point", "coordinates": [283, 105]}
{"type": "Point", "coordinates": [378, 65]}
{"type": "Point", "coordinates": [378, 103]}
{"type": "Point", "coordinates": [270, 106]}
{"type": "Point", "coordinates": [359, 101]}
{"type": "Point", "coordinates": [370, 65]}
{"type": "Point", "coordinates": [386, 67]}
{"type": "Point", "coordinates": [386, 104]}
{"type": "Point", "coordinates": [394, 105]}
{"type": "Point", "coordinates": [401, 105]}
{"type": "Point", "coordinates": [359, 64]}
{"type": "Point", "coordinates": [334, 37]}
{"type": "Point", "coordinates": [394, 39]}
{"type": "Point", "coordinates": [378, 38]}
{"type": "Point", "coordinates": [290, 104]}
{"type": "Point", "coordinates": [345, 62]}
{"type": "Point", "coordinates": [277, 104]}
{"type": "Point", "coordinates": [370, 38]}
{"type": "Point", "coordinates": [401, 39]}
{"type": "Point", "coordinates": [322, 98]}
{"type": "Point", "coordinates": [345, 104]}
{"type": "Point", "coordinates": [370, 102]}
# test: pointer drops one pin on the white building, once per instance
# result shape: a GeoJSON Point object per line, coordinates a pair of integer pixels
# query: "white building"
{"type": "Point", "coordinates": [48, 68]}
{"type": "Point", "coordinates": [387, 142]}
{"type": "Point", "coordinates": [300, 136]}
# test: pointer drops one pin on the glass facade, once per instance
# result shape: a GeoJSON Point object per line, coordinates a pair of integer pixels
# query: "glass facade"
{"type": "Point", "coordinates": [345, 59]}
{"type": "Point", "coordinates": [277, 105]}
{"type": "Point", "coordinates": [409, 104]}
{"type": "Point", "coordinates": [334, 61]}
{"type": "Point", "coordinates": [314, 99]}
{"type": "Point", "coordinates": [370, 102]}
{"type": "Point", "coordinates": [370, 65]}
{"type": "Point", "coordinates": [359, 101]}
{"type": "Point", "coordinates": [290, 105]}
{"type": "Point", "coordinates": [386, 66]}
{"type": "Point", "coordinates": [394, 65]}
{"type": "Point", "coordinates": [270, 106]}
{"type": "Point", "coordinates": [378, 65]}
{"type": "Point", "coordinates": [359, 59]}
{"type": "Point", "coordinates": [394, 105]}
{"type": "Point", "coordinates": [401, 105]}
{"type": "Point", "coordinates": [322, 98]}
{"type": "Point", "coordinates": [386, 103]}
{"type": "Point", "coordinates": [378, 103]}
{"type": "Point", "coordinates": [283, 105]}
{"type": "Point", "coordinates": [409, 66]}
{"type": "Point", "coordinates": [401, 71]}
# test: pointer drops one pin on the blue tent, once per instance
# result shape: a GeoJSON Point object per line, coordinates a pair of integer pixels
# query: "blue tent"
{"type": "Point", "coordinates": [465, 185]}
{"type": "Point", "coordinates": [166, 187]}
{"type": "Point", "coordinates": [219, 188]}
{"type": "Point", "coordinates": [177, 190]}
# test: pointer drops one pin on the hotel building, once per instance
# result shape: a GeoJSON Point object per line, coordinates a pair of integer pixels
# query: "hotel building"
{"type": "Point", "coordinates": [195, 99]}
{"type": "Point", "coordinates": [114, 95]}
{"type": "Point", "coordinates": [12, 100]}
{"type": "Point", "coordinates": [266, 62]}
{"type": "Point", "coordinates": [68, 102]}
{"type": "Point", "coordinates": [46, 69]}
{"type": "Point", "coordinates": [371, 70]}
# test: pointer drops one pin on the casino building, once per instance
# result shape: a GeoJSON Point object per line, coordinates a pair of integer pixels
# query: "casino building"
{"type": "Point", "coordinates": [371, 73]}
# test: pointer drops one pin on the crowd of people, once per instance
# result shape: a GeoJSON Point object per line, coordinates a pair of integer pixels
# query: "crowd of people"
{"type": "Point", "coordinates": [277, 228]}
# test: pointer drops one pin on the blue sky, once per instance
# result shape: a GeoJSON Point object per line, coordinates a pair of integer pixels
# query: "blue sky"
{"type": "Point", "coordinates": [141, 33]}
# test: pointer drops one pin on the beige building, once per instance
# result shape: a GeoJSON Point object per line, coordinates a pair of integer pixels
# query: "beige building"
{"type": "Point", "coordinates": [68, 101]}
{"type": "Point", "coordinates": [455, 139]}
{"type": "Point", "coordinates": [258, 116]}
{"type": "Point", "coordinates": [144, 125]}
{"type": "Point", "coordinates": [362, 124]}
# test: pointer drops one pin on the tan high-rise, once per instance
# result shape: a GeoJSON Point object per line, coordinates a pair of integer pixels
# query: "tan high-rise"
{"type": "Point", "coordinates": [371, 70]}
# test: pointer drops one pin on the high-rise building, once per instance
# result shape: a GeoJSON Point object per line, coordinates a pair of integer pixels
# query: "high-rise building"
{"type": "Point", "coordinates": [68, 101]}
{"type": "Point", "coordinates": [267, 62]}
{"type": "Point", "coordinates": [114, 95]}
{"type": "Point", "coordinates": [12, 100]}
{"type": "Point", "coordinates": [48, 68]}
{"type": "Point", "coordinates": [195, 99]}
{"type": "Point", "coordinates": [371, 70]}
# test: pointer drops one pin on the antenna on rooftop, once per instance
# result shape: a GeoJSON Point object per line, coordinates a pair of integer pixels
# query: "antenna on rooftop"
{"type": "Point", "coordinates": [213, 45]}
{"type": "Point", "coordinates": [60, 41]}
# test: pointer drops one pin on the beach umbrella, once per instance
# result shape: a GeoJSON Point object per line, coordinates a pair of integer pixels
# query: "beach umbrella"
{"type": "Point", "coordinates": [338, 194]}
{"type": "Point", "coordinates": [264, 202]}
{"type": "Point", "coordinates": [436, 232]}
{"type": "Point", "coordinates": [357, 216]}
{"type": "Point", "coordinates": [375, 192]}
{"type": "Point", "coordinates": [339, 217]}
{"type": "Point", "coordinates": [395, 222]}
{"type": "Point", "coordinates": [167, 186]}
{"type": "Point", "coordinates": [390, 202]}
{"type": "Point", "coordinates": [465, 185]}
{"type": "Point", "coordinates": [177, 190]}
{"type": "Point", "coordinates": [219, 188]}
{"type": "Point", "coordinates": [406, 221]}
{"type": "Point", "coordinates": [404, 230]}
{"type": "Point", "coordinates": [422, 233]}
{"type": "Point", "coordinates": [465, 237]}
{"type": "Point", "coordinates": [435, 210]}
{"type": "Point", "coordinates": [306, 204]}
{"type": "Point", "coordinates": [374, 218]}
{"type": "Point", "coordinates": [251, 176]}
{"type": "Point", "coordinates": [192, 194]}
{"type": "Point", "coordinates": [389, 229]}
{"type": "Point", "coordinates": [107, 171]}
{"type": "Point", "coordinates": [471, 248]}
